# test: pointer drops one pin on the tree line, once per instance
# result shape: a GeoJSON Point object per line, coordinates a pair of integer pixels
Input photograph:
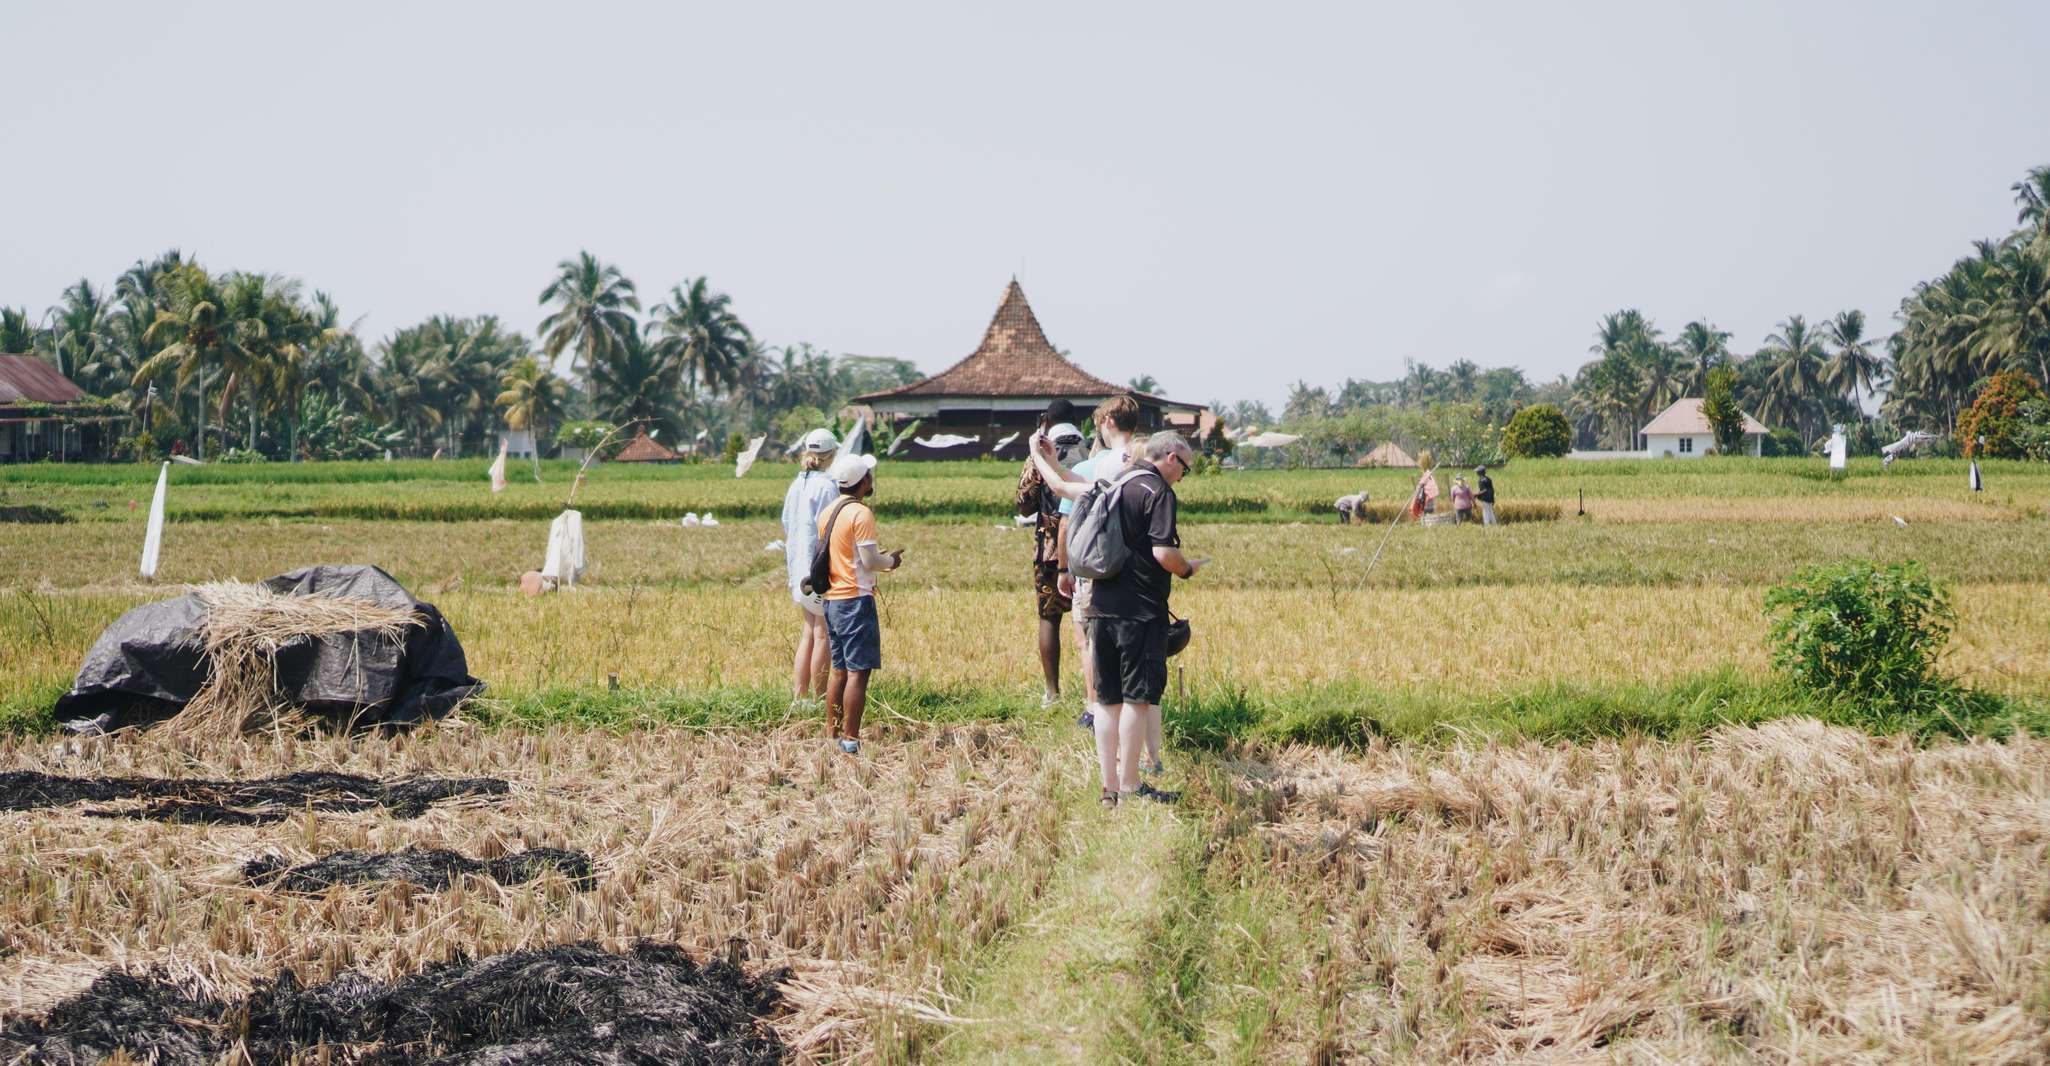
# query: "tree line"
{"type": "Point", "coordinates": [1990, 313]}
{"type": "Point", "coordinates": [243, 364]}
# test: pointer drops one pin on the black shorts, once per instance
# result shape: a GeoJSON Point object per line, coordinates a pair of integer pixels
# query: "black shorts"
{"type": "Point", "coordinates": [1130, 658]}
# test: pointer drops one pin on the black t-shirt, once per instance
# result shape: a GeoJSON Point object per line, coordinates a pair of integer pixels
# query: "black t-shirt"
{"type": "Point", "coordinates": [1487, 490]}
{"type": "Point", "coordinates": [1146, 506]}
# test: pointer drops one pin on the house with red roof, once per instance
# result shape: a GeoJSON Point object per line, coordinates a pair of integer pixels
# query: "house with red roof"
{"type": "Point", "coordinates": [44, 415]}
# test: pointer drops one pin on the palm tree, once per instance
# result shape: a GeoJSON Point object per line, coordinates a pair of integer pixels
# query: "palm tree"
{"type": "Point", "coordinates": [1145, 383]}
{"type": "Point", "coordinates": [1704, 348]}
{"type": "Point", "coordinates": [640, 383]}
{"type": "Point", "coordinates": [592, 300]}
{"type": "Point", "coordinates": [531, 397]}
{"type": "Point", "coordinates": [1853, 367]}
{"type": "Point", "coordinates": [17, 333]}
{"type": "Point", "coordinates": [80, 329]}
{"type": "Point", "coordinates": [1794, 385]}
{"type": "Point", "coordinates": [189, 334]}
{"type": "Point", "coordinates": [697, 329]}
{"type": "Point", "coordinates": [2033, 194]}
{"type": "Point", "coordinates": [1662, 377]}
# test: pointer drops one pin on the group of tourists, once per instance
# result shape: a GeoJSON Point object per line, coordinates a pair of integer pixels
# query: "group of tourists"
{"type": "Point", "coordinates": [1124, 630]}
{"type": "Point", "coordinates": [829, 544]}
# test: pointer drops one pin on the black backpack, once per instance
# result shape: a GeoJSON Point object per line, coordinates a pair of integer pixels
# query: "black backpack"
{"type": "Point", "coordinates": [821, 577]}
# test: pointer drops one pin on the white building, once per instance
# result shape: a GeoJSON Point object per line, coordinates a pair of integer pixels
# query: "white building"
{"type": "Point", "coordinates": [1682, 432]}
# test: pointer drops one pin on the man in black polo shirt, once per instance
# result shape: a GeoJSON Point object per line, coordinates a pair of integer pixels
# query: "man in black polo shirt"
{"type": "Point", "coordinates": [1129, 644]}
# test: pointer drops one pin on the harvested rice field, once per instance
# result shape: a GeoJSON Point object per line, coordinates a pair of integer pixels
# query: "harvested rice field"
{"type": "Point", "coordinates": [1532, 794]}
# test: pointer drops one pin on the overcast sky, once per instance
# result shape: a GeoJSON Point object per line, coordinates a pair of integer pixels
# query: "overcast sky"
{"type": "Point", "coordinates": [1228, 197]}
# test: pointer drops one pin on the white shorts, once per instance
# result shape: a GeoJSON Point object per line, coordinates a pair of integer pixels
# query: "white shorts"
{"type": "Point", "coordinates": [811, 604]}
{"type": "Point", "coordinates": [1080, 601]}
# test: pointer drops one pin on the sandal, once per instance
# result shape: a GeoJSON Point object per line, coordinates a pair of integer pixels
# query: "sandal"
{"type": "Point", "coordinates": [1109, 798]}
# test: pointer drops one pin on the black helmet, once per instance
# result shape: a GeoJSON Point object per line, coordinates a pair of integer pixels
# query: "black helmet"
{"type": "Point", "coordinates": [1177, 636]}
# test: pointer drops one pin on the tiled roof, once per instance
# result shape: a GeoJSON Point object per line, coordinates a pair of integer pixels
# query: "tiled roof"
{"type": "Point", "coordinates": [1389, 454]}
{"type": "Point", "coordinates": [1685, 416]}
{"type": "Point", "coordinates": [30, 378]}
{"type": "Point", "coordinates": [644, 449]}
{"type": "Point", "coordinates": [1015, 359]}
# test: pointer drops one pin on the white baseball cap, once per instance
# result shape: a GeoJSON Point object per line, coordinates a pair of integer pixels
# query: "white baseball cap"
{"type": "Point", "coordinates": [820, 440]}
{"type": "Point", "coordinates": [848, 470]}
{"type": "Point", "coordinates": [1065, 433]}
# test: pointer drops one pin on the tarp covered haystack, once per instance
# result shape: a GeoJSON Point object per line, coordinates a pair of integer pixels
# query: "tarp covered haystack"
{"type": "Point", "coordinates": [342, 640]}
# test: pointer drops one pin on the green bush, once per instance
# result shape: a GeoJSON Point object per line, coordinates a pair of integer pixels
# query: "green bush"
{"type": "Point", "coordinates": [1537, 432]}
{"type": "Point", "coordinates": [585, 434]}
{"type": "Point", "coordinates": [241, 455]}
{"type": "Point", "coordinates": [1861, 632]}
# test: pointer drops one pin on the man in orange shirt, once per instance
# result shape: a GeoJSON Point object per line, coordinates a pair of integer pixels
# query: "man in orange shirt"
{"type": "Point", "coordinates": [853, 559]}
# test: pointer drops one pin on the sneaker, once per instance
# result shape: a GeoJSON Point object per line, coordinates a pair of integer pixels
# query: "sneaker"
{"type": "Point", "coordinates": [1087, 720]}
{"type": "Point", "coordinates": [1049, 699]}
{"type": "Point", "coordinates": [851, 747]}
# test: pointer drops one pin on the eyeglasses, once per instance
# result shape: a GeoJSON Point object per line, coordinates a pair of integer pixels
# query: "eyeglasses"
{"type": "Point", "coordinates": [1177, 458]}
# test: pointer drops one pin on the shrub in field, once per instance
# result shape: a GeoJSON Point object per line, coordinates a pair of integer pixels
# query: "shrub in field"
{"type": "Point", "coordinates": [1537, 432]}
{"type": "Point", "coordinates": [1862, 632]}
{"type": "Point", "coordinates": [1719, 406]}
{"type": "Point", "coordinates": [1990, 428]}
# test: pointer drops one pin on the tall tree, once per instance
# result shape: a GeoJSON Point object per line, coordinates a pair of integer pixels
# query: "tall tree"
{"type": "Point", "coordinates": [591, 318]}
{"type": "Point", "coordinates": [1704, 348]}
{"type": "Point", "coordinates": [1794, 386]}
{"type": "Point", "coordinates": [2032, 193]}
{"type": "Point", "coordinates": [531, 397]}
{"type": "Point", "coordinates": [1853, 366]}
{"type": "Point", "coordinates": [697, 329]}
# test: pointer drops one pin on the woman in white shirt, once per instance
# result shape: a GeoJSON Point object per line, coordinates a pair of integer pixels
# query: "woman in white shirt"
{"type": "Point", "coordinates": [811, 492]}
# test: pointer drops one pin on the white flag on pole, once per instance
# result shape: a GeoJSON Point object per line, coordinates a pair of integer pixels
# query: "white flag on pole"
{"type": "Point", "coordinates": [747, 458]}
{"type": "Point", "coordinates": [498, 468]}
{"type": "Point", "coordinates": [153, 539]}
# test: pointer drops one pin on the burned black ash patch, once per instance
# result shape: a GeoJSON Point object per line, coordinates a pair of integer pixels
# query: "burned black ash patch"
{"type": "Point", "coordinates": [254, 802]}
{"type": "Point", "coordinates": [430, 868]}
{"type": "Point", "coordinates": [573, 1004]}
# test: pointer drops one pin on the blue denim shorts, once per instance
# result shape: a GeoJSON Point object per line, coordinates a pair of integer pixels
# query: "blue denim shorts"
{"type": "Point", "coordinates": [857, 636]}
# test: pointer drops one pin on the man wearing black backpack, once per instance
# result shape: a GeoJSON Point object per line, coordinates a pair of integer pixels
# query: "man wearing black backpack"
{"type": "Point", "coordinates": [847, 539]}
{"type": "Point", "coordinates": [1129, 643]}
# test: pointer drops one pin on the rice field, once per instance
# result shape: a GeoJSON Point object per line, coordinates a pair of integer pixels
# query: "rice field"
{"type": "Point", "coordinates": [1445, 887]}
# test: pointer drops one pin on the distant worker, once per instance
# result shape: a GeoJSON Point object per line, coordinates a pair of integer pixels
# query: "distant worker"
{"type": "Point", "coordinates": [1486, 495]}
{"type": "Point", "coordinates": [854, 560]}
{"type": "Point", "coordinates": [1352, 508]}
{"type": "Point", "coordinates": [1043, 506]}
{"type": "Point", "coordinates": [1425, 500]}
{"type": "Point", "coordinates": [1462, 501]}
{"type": "Point", "coordinates": [1115, 419]}
{"type": "Point", "coordinates": [1131, 627]}
{"type": "Point", "coordinates": [810, 493]}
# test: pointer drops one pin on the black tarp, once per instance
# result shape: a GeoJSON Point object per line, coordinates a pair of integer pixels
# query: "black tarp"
{"type": "Point", "coordinates": [151, 661]}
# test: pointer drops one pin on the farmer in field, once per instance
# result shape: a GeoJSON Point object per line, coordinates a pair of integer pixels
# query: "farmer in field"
{"type": "Point", "coordinates": [1350, 507]}
{"type": "Point", "coordinates": [1115, 419]}
{"type": "Point", "coordinates": [1486, 496]}
{"type": "Point", "coordinates": [1462, 501]}
{"type": "Point", "coordinates": [810, 493]}
{"type": "Point", "coordinates": [853, 560]}
{"type": "Point", "coordinates": [1039, 503]}
{"type": "Point", "coordinates": [1130, 638]}
{"type": "Point", "coordinates": [1425, 500]}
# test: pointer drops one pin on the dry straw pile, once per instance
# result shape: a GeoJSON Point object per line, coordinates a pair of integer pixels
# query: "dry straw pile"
{"type": "Point", "coordinates": [246, 626]}
{"type": "Point", "coordinates": [1791, 893]}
